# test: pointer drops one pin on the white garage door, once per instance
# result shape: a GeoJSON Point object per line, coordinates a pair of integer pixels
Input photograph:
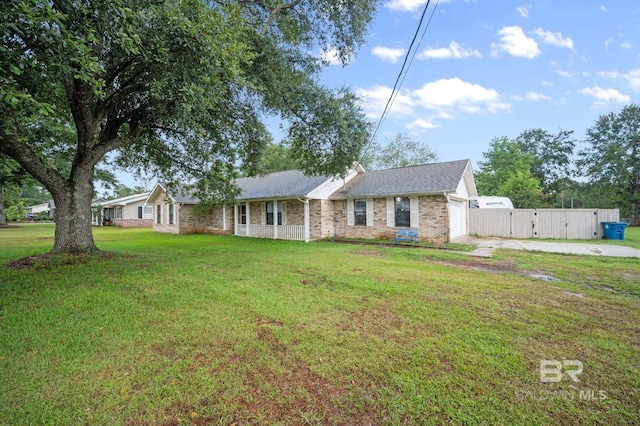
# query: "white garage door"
{"type": "Point", "coordinates": [457, 218]}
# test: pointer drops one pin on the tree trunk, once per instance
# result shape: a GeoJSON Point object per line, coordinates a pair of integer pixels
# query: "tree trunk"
{"type": "Point", "coordinates": [73, 215]}
{"type": "Point", "coordinates": [3, 218]}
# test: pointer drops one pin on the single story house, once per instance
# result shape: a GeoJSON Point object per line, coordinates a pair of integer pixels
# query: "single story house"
{"type": "Point", "coordinates": [431, 198]}
{"type": "Point", "coordinates": [39, 210]}
{"type": "Point", "coordinates": [127, 212]}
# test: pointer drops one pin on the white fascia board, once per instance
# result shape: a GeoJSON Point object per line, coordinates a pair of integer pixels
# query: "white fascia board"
{"type": "Point", "coordinates": [324, 191]}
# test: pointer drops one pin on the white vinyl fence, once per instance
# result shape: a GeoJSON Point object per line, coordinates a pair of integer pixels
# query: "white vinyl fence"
{"type": "Point", "coordinates": [571, 224]}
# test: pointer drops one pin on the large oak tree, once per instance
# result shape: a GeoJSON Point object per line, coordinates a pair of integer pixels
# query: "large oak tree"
{"type": "Point", "coordinates": [180, 88]}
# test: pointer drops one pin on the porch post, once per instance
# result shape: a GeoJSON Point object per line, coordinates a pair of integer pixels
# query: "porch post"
{"type": "Point", "coordinates": [224, 217]}
{"type": "Point", "coordinates": [275, 219]}
{"type": "Point", "coordinates": [235, 219]}
{"type": "Point", "coordinates": [306, 221]}
{"type": "Point", "coordinates": [248, 220]}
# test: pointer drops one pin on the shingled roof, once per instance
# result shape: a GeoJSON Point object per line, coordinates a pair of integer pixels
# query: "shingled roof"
{"type": "Point", "coordinates": [436, 178]}
{"type": "Point", "coordinates": [287, 184]}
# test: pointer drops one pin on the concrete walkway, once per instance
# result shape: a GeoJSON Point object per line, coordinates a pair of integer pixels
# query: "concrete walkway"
{"type": "Point", "coordinates": [486, 247]}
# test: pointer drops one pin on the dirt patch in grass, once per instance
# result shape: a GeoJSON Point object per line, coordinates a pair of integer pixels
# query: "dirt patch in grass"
{"type": "Point", "coordinates": [8, 226]}
{"type": "Point", "coordinates": [492, 267]}
{"type": "Point", "coordinates": [46, 261]}
{"type": "Point", "coordinates": [290, 391]}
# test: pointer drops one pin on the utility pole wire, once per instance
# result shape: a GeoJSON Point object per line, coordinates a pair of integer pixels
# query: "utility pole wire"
{"type": "Point", "coordinates": [402, 74]}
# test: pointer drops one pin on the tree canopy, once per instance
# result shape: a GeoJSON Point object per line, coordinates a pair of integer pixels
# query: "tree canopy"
{"type": "Point", "coordinates": [175, 88]}
{"type": "Point", "coordinates": [506, 171]}
{"type": "Point", "coordinates": [400, 151]}
{"type": "Point", "coordinates": [612, 156]}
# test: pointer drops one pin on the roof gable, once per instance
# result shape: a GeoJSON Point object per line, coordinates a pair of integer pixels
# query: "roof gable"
{"type": "Point", "coordinates": [435, 178]}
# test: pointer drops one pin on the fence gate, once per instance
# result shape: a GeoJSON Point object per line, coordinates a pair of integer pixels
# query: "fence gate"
{"type": "Point", "coordinates": [524, 224]}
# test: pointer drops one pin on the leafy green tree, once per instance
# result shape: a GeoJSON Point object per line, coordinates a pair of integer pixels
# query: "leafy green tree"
{"type": "Point", "coordinates": [612, 157]}
{"type": "Point", "coordinates": [552, 157]}
{"type": "Point", "coordinates": [16, 212]}
{"type": "Point", "coordinates": [178, 89]}
{"type": "Point", "coordinates": [524, 190]}
{"type": "Point", "coordinates": [11, 177]}
{"type": "Point", "coordinates": [276, 158]}
{"type": "Point", "coordinates": [401, 151]}
{"type": "Point", "coordinates": [506, 171]}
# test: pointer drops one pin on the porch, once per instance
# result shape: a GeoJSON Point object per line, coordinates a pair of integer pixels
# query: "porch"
{"type": "Point", "coordinates": [276, 219]}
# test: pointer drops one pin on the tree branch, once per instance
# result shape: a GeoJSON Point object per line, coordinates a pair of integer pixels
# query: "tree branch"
{"type": "Point", "coordinates": [275, 11]}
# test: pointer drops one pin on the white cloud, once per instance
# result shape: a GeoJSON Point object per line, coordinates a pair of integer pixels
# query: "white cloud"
{"type": "Point", "coordinates": [455, 94]}
{"type": "Point", "coordinates": [603, 8]}
{"type": "Point", "coordinates": [405, 5]}
{"type": "Point", "coordinates": [421, 123]}
{"type": "Point", "coordinates": [626, 45]}
{"type": "Point", "coordinates": [454, 51]}
{"type": "Point", "coordinates": [514, 41]}
{"type": "Point", "coordinates": [565, 74]}
{"type": "Point", "coordinates": [532, 96]}
{"type": "Point", "coordinates": [554, 39]}
{"type": "Point", "coordinates": [331, 57]}
{"type": "Point", "coordinates": [606, 43]}
{"type": "Point", "coordinates": [604, 96]}
{"type": "Point", "coordinates": [445, 99]}
{"type": "Point", "coordinates": [376, 97]}
{"type": "Point", "coordinates": [608, 74]}
{"type": "Point", "coordinates": [524, 10]}
{"type": "Point", "coordinates": [546, 83]}
{"type": "Point", "coordinates": [633, 78]}
{"type": "Point", "coordinates": [388, 54]}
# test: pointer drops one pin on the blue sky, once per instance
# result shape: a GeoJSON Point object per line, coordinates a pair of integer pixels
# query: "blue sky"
{"type": "Point", "coordinates": [496, 68]}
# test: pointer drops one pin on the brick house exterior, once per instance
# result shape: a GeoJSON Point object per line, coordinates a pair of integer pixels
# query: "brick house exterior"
{"type": "Point", "coordinates": [431, 198]}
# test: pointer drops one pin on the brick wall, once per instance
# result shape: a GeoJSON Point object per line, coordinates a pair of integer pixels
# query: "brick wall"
{"type": "Point", "coordinates": [433, 221]}
{"type": "Point", "coordinates": [321, 219]}
{"type": "Point", "coordinates": [133, 223]}
{"type": "Point", "coordinates": [190, 222]}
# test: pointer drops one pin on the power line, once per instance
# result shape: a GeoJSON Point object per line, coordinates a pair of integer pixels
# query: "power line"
{"type": "Point", "coordinates": [402, 74]}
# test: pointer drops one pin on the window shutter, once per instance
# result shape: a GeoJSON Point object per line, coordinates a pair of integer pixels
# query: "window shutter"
{"type": "Point", "coordinates": [139, 212]}
{"type": "Point", "coordinates": [369, 212]}
{"type": "Point", "coordinates": [284, 213]}
{"type": "Point", "coordinates": [350, 213]}
{"type": "Point", "coordinates": [391, 213]}
{"type": "Point", "coordinates": [415, 214]}
{"type": "Point", "coordinates": [263, 215]}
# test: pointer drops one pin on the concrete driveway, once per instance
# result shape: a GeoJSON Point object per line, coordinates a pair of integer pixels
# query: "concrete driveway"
{"type": "Point", "coordinates": [486, 247]}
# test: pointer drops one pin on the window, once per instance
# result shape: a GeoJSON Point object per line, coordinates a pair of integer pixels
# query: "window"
{"type": "Point", "coordinates": [403, 212]}
{"type": "Point", "coordinates": [118, 213]}
{"type": "Point", "coordinates": [147, 213]}
{"type": "Point", "coordinates": [270, 213]}
{"type": "Point", "coordinates": [171, 211]}
{"type": "Point", "coordinates": [243, 214]}
{"type": "Point", "coordinates": [360, 212]}
{"type": "Point", "coordinates": [159, 214]}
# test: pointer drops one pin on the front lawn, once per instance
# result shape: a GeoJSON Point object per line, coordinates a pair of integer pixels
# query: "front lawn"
{"type": "Point", "coordinates": [225, 330]}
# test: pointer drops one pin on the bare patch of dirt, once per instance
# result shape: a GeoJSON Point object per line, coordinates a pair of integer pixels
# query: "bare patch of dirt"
{"type": "Point", "coordinates": [49, 260]}
{"type": "Point", "coordinates": [492, 267]}
{"type": "Point", "coordinates": [263, 321]}
{"type": "Point", "coordinates": [8, 226]}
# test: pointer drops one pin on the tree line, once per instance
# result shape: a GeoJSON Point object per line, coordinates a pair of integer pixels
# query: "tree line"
{"type": "Point", "coordinates": [539, 168]}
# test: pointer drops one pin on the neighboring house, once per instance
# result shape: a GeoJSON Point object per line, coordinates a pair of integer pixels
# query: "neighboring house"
{"type": "Point", "coordinates": [127, 212]}
{"type": "Point", "coordinates": [34, 211]}
{"type": "Point", "coordinates": [431, 198]}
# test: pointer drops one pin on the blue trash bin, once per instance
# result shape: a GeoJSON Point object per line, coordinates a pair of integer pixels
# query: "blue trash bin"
{"type": "Point", "coordinates": [614, 230]}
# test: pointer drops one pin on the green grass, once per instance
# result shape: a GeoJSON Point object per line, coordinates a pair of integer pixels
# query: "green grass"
{"type": "Point", "coordinates": [215, 330]}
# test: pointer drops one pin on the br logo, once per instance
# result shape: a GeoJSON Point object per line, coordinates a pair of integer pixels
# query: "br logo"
{"type": "Point", "coordinates": [553, 371]}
